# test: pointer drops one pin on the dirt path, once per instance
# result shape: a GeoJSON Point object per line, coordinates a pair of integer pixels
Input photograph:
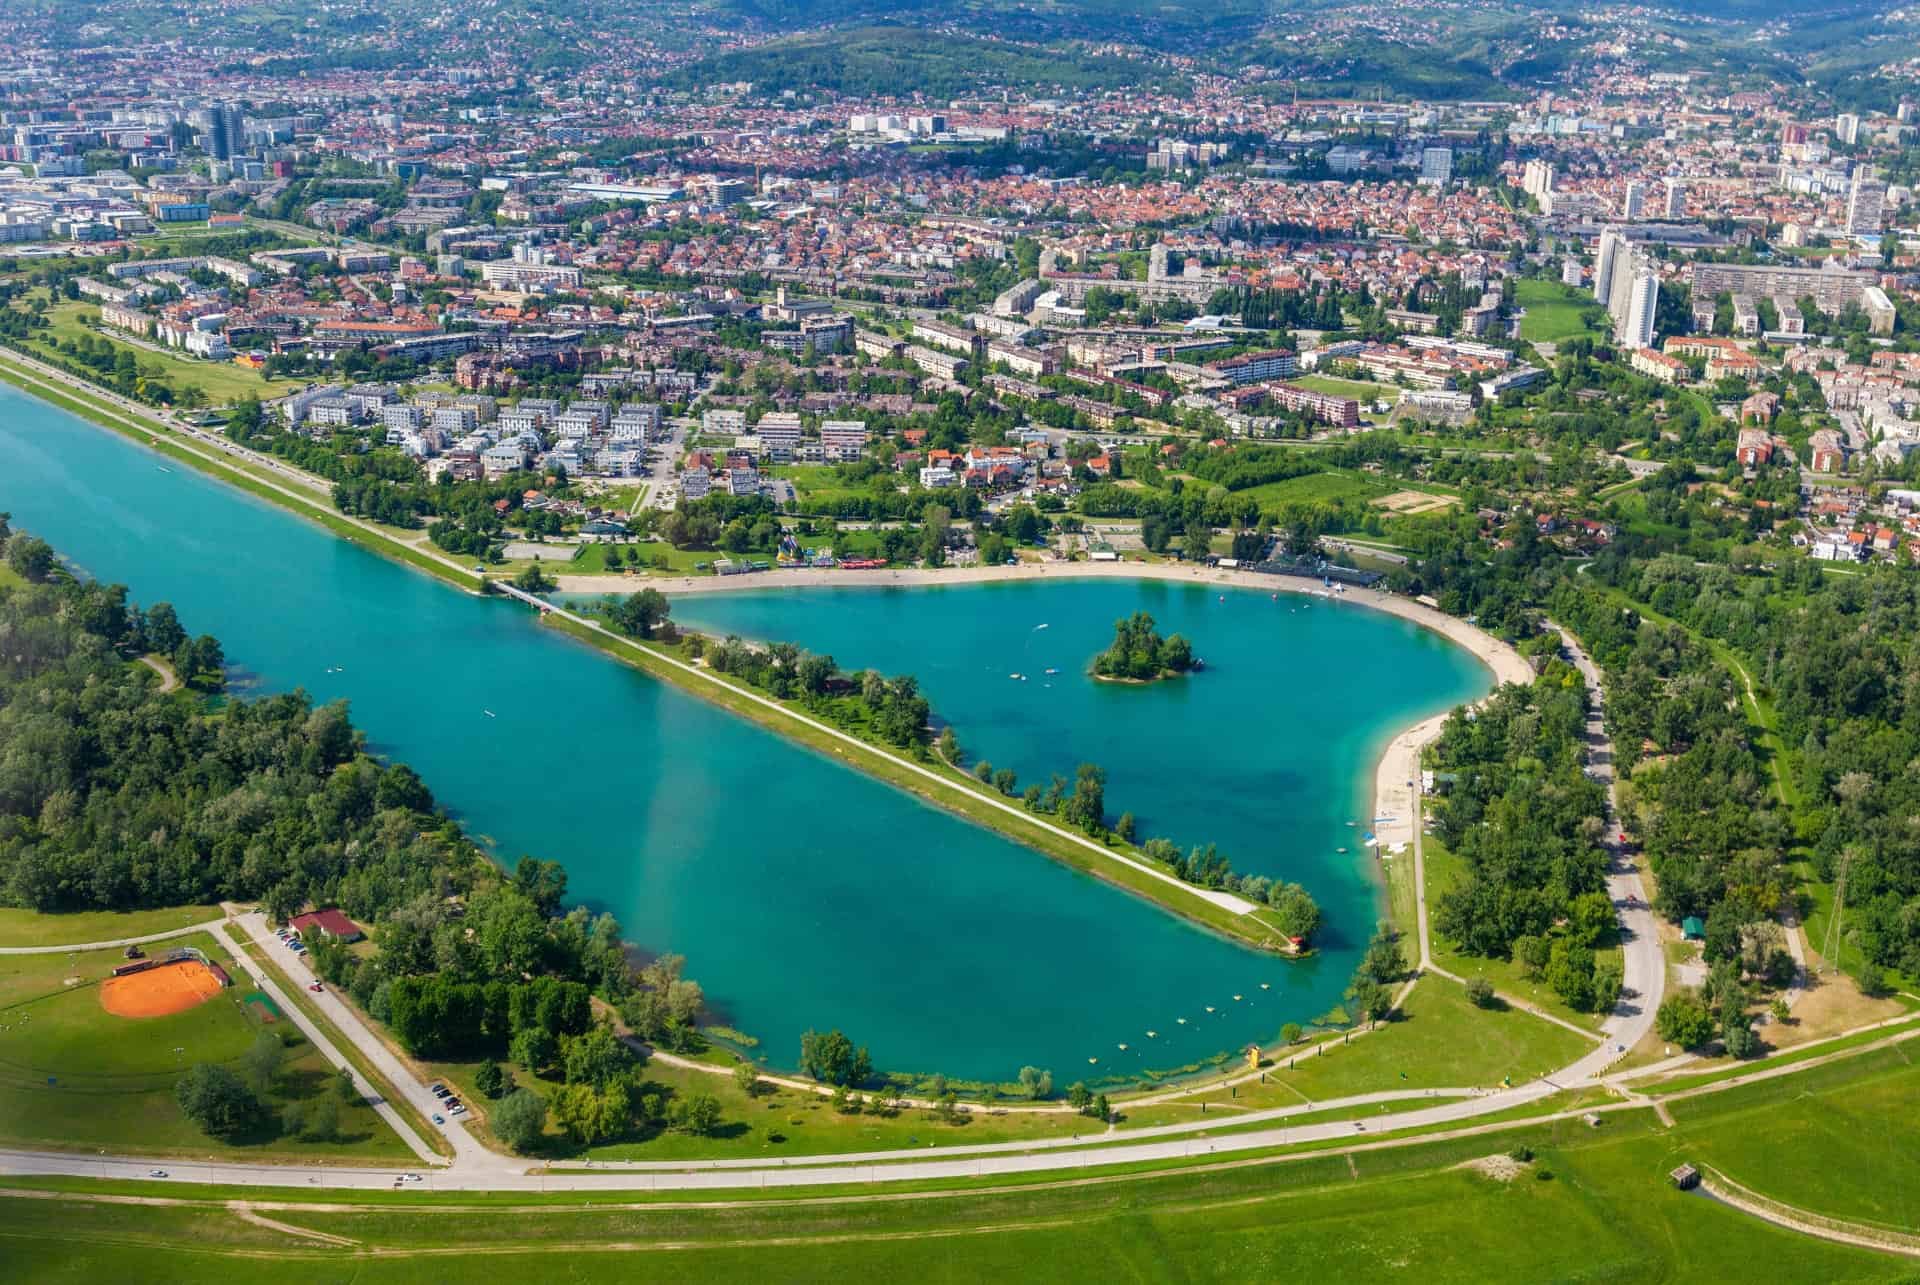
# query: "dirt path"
{"type": "Point", "coordinates": [169, 680]}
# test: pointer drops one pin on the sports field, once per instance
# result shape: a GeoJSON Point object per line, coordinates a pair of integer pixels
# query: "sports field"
{"type": "Point", "coordinates": [161, 991]}
{"type": "Point", "coordinates": [77, 1073]}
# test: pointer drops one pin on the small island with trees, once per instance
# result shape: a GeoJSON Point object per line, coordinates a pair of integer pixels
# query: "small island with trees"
{"type": "Point", "coordinates": [1140, 655]}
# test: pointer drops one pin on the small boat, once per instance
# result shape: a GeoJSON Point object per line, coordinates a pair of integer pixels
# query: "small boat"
{"type": "Point", "coordinates": [1209, 1008]}
{"type": "Point", "coordinates": [1152, 1034]}
{"type": "Point", "coordinates": [1123, 1048]}
{"type": "Point", "coordinates": [1223, 597]}
{"type": "Point", "coordinates": [1051, 670]}
{"type": "Point", "coordinates": [1037, 628]}
{"type": "Point", "coordinates": [1263, 986]}
{"type": "Point", "coordinates": [1339, 849]}
{"type": "Point", "coordinates": [1018, 678]}
{"type": "Point", "coordinates": [1181, 1020]}
{"type": "Point", "coordinates": [1236, 999]}
{"type": "Point", "coordinates": [489, 713]}
{"type": "Point", "coordinates": [1092, 1060]}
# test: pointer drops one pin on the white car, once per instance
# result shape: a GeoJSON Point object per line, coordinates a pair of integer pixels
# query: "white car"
{"type": "Point", "coordinates": [156, 1173]}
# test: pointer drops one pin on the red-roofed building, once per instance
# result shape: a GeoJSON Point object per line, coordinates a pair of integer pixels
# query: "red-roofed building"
{"type": "Point", "coordinates": [329, 921]}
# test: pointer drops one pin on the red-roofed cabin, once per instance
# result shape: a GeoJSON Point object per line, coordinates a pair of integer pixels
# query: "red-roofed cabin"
{"type": "Point", "coordinates": [329, 921]}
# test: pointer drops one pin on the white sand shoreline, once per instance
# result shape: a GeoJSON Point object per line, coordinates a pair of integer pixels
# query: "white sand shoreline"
{"type": "Point", "coordinates": [1399, 764]}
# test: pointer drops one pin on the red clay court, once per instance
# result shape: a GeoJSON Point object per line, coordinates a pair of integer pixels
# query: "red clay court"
{"type": "Point", "coordinates": [156, 992]}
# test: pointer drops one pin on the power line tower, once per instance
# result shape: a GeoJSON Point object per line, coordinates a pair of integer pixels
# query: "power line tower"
{"type": "Point", "coordinates": [1829, 946]}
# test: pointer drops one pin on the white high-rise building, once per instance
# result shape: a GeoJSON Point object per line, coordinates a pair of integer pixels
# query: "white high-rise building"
{"type": "Point", "coordinates": [1676, 203]}
{"type": "Point", "coordinates": [1846, 128]}
{"type": "Point", "coordinates": [1634, 202]}
{"type": "Point", "coordinates": [1570, 273]}
{"type": "Point", "coordinates": [1537, 179]}
{"type": "Point", "coordinates": [1643, 300]}
{"type": "Point", "coordinates": [1866, 206]}
{"type": "Point", "coordinates": [1606, 261]}
{"type": "Point", "coordinates": [1436, 165]}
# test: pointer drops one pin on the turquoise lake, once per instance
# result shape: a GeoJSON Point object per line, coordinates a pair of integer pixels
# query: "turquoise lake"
{"type": "Point", "coordinates": [801, 893]}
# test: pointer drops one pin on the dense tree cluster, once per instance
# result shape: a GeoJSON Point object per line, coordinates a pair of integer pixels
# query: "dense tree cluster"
{"type": "Point", "coordinates": [1139, 653]}
{"type": "Point", "coordinates": [1524, 817]}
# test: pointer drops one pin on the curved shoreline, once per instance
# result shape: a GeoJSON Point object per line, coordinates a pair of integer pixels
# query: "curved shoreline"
{"type": "Point", "coordinates": [1397, 770]}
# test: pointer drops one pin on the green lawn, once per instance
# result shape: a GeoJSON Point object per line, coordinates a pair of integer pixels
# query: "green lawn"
{"type": "Point", "coordinates": [73, 1075]}
{"type": "Point", "coordinates": [1856, 1157]}
{"type": "Point", "coordinates": [29, 928]}
{"type": "Point", "coordinates": [1440, 1040]}
{"type": "Point", "coordinates": [1590, 1205]}
{"type": "Point", "coordinates": [1360, 390]}
{"type": "Point", "coordinates": [222, 381]}
{"type": "Point", "coordinates": [592, 559]}
{"type": "Point", "coordinates": [1553, 311]}
{"type": "Point", "coordinates": [1315, 488]}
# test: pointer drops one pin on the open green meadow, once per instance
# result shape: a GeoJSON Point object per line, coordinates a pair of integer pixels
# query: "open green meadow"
{"type": "Point", "coordinates": [30, 928]}
{"type": "Point", "coordinates": [1362, 391]}
{"type": "Point", "coordinates": [1533, 1202]}
{"type": "Point", "coordinates": [1553, 311]}
{"type": "Point", "coordinates": [74, 1076]}
{"type": "Point", "coordinates": [222, 381]}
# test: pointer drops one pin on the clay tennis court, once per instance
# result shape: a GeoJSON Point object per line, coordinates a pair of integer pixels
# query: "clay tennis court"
{"type": "Point", "coordinates": [156, 992]}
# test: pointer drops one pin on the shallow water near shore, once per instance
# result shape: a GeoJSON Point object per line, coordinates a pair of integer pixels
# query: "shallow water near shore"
{"type": "Point", "coordinates": [803, 894]}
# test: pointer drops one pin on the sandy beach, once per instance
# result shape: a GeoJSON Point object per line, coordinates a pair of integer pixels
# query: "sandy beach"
{"type": "Point", "coordinates": [1394, 797]}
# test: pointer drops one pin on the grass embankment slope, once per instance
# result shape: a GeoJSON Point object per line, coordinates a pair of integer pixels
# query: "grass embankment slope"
{"type": "Point", "coordinates": [30, 928]}
{"type": "Point", "coordinates": [74, 1076]}
{"type": "Point", "coordinates": [1591, 1204]}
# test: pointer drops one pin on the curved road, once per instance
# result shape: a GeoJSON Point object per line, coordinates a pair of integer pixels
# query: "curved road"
{"type": "Point", "coordinates": [1644, 979]}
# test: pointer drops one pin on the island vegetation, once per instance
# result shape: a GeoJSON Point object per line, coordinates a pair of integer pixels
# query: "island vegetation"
{"type": "Point", "coordinates": [1139, 654]}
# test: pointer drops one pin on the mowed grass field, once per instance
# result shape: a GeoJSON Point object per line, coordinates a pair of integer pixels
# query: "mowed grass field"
{"type": "Point", "coordinates": [1360, 390]}
{"type": "Point", "coordinates": [30, 928]}
{"type": "Point", "coordinates": [1589, 1204]}
{"type": "Point", "coordinates": [223, 382]}
{"type": "Point", "coordinates": [1316, 488]}
{"type": "Point", "coordinates": [73, 1075]}
{"type": "Point", "coordinates": [1553, 311]}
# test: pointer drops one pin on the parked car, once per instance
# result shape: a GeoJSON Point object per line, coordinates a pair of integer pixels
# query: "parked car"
{"type": "Point", "coordinates": [438, 1119]}
{"type": "Point", "coordinates": [456, 1110]}
{"type": "Point", "coordinates": [316, 988]}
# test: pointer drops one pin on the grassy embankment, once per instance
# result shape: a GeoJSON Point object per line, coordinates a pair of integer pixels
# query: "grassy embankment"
{"type": "Point", "coordinates": [1448, 1209]}
{"type": "Point", "coordinates": [248, 477]}
{"type": "Point", "coordinates": [76, 1077]}
{"type": "Point", "coordinates": [31, 928]}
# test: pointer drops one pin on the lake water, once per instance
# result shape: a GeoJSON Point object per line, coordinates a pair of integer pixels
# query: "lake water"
{"type": "Point", "coordinates": [804, 894]}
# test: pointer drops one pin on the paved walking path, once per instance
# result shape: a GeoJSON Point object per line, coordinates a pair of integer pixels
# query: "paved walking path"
{"type": "Point", "coordinates": [1644, 963]}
